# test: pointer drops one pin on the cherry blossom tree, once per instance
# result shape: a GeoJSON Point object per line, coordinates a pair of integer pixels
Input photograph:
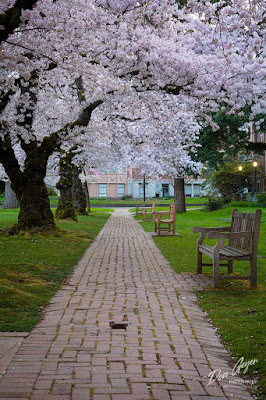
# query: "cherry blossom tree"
{"type": "Point", "coordinates": [206, 54]}
{"type": "Point", "coordinates": [159, 136]}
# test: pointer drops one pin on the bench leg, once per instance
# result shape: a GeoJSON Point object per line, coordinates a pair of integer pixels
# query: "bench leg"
{"type": "Point", "coordinates": [253, 272]}
{"type": "Point", "coordinates": [216, 278]}
{"type": "Point", "coordinates": [199, 262]}
{"type": "Point", "coordinates": [155, 226]}
{"type": "Point", "coordinates": [230, 266]}
{"type": "Point", "coordinates": [159, 228]}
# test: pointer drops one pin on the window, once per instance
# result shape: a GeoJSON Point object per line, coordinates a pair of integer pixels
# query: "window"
{"type": "Point", "coordinates": [165, 187]}
{"type": "Point", "coordinates": [102, 189]}
{"type": "Point", "coordinates": [196, 190]}
{"type": "Point", "coordinates": [121, 190]}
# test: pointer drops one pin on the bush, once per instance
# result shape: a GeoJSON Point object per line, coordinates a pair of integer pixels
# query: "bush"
{"type": "Point", "coordinates": [127, 197]}
{"type": "Point", "coordinates": [242, 204]}
{"type": "Point", "coordinates": [261, 199]}
{"type": "Point", "coordinates": [214, 203]}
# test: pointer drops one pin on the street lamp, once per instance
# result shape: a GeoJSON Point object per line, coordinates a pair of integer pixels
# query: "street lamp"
{"type": "Point", "coordinates": [143, 184]}
{"type": "Point", "coordinates": [240, 169]}
{"type": "Point", "coordinates": [255, 164]}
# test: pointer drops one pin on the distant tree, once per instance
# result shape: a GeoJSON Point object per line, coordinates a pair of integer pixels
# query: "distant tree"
{"type": "Point", "coordinates": [233, 137]}
{"type": "Point", "coordinates": [229, 180]}
{"type": "Point", "coordinates": [216, 147]}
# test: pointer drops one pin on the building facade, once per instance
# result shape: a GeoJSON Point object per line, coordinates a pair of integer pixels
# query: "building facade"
{"type": "Point", "coordinates": [108, 184]}
{"type": "Point", "coordinates": [119, 182]}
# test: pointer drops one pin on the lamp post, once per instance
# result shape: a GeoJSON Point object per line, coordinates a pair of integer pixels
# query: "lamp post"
{"type": "Point", "coordinates": [240, 169]}
{"type": "Point", "coordinates": [143, 184]}
{"type": "Point", "coordinates": [255, 164]}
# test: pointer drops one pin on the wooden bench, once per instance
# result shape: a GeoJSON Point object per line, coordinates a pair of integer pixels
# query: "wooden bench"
{"type": "Point", "coordinates": [148, 212]}
{"type": "Point", "coordinates": [243, 237]}
{"type": "Point", "coordinates": [139, 209]}
{"type": "Point", "coordinates": [169, 222]}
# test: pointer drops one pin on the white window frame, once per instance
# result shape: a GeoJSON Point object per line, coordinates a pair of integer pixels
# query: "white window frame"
{"type": "Point", "coordinates": [102, 190]}
{"type": "Point", "coordinates": [121, 185]}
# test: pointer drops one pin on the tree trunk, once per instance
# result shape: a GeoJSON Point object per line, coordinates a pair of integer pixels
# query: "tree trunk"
{"type": "Point", "coordinates": [34, 204]}
{"type": "Point", "coordinates": [87, 197]}
{"type": "Point", "coordinates": [10, 197]}
{"type": "Point", "coordinates": [29, 186]}
{"type": "Point", "coordinates": [179, 194]}
{"type": "Point", "coordinates": [65, 208]}
{"type": "Point", "coordinates": [78, 194]}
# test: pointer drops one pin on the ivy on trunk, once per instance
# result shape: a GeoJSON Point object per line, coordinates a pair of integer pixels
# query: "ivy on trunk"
{"type": "Point", "coordinates": [78, 193]}
{"type": "Point", "coordinates": [65, 208]}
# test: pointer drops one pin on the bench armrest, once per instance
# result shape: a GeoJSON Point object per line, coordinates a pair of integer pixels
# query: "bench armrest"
{"type": "Point", "coordinates": [204, 231]}
{"type": "Point", "coordinates": [146, 208]}
{"type": "Point", "coordinates": [197, 229]}
{"type": "Point", "coordinates": [229, 235]}
{"type": "Point", "coordinates": [160, 214]}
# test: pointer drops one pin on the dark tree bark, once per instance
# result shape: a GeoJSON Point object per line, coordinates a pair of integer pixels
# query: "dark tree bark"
{"type": "Point", "coordinates": [78, 193]}
{"type": "Point", "coordinates": [28, 185]}
{"type": "Point", "coordinates": [10, 197]}
{"type": "Point", "coordinates": [179, 194]}
{"type": "Point", "coordinates": [65, 208]}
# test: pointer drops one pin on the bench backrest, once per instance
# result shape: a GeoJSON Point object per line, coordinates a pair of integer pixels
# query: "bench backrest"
{"type": "Point", "coordinates": [246, 222]}
{"type": "Point", "coordinates": [172, 211]}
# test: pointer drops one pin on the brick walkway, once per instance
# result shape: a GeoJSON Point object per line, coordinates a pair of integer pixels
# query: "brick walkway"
{"type": "Point", "coordinates": [125, 327]}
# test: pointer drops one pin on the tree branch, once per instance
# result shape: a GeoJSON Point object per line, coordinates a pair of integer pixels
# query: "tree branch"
{"type": "Point", "coordinates": [9, 161]}
{"type": "Point", "coordinates": [11, 18]}
{"type": "Point", "coordinates": [52, 142]}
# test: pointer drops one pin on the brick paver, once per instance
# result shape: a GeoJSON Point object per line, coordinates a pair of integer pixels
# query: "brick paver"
{"type": "Point", "coordinates": [124, 327]}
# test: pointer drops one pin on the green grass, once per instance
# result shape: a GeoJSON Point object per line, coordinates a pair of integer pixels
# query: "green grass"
{"type": "Point", "coordinates": [239, 316]}
{"type": "Point", "coordinates": [237, 311]}
{"type": "Point", "coordinates": [34, 266]}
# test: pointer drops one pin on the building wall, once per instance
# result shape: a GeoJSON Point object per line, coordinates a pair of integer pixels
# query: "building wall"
{"type": "Point", "coordinates": [133, 186]}
{"type": "Point", "coordinates": [113, 182]}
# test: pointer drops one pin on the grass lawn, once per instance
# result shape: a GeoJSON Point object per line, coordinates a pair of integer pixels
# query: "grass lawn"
{"type": "Point", "coordinates": [237, 311]}
{"type": "Point", "coordinates": [33, 266]}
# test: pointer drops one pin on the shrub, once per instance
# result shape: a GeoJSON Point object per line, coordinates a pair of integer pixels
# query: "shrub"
{"type": "Point", "coordinates": [242, 204]}
{"type": "Point", "coordinates": [214, 203]}
{"type": "Point", "coordinates": [261, 199]}
{"type": "Point", "coordinates": [127, 197]}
